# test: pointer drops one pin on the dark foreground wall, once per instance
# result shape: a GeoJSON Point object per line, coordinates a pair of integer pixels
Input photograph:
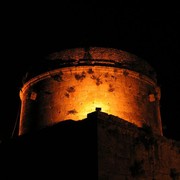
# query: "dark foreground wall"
{"type": "Point", "coordinates": [67, 150]}
{"type": "Point", "coordinates": [100, 147]}
{"type": "Point", "coordinates": [126, 152]}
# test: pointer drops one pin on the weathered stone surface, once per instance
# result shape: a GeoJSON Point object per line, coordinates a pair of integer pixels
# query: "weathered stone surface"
{"type": "Point", "coordinates": [128, 152]}
{"type": "Point", "coordinates": [93, 79]}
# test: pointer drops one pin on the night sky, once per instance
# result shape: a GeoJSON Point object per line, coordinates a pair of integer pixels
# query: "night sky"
{"type": "Point", "coordinates": [31, 31]}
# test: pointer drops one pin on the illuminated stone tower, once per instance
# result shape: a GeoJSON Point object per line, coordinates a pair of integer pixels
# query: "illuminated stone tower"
{"type": "Point", "coordinates": [74, 82]}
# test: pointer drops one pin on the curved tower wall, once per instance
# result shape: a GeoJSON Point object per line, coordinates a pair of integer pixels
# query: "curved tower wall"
{"type": "Point", "coordinates": [84, 80]}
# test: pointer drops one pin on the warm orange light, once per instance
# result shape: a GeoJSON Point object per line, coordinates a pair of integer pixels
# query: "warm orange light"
{"type": "Point", "coordinates": [82, 89]}
{"type": "Point", "coordinates": [73, 91]}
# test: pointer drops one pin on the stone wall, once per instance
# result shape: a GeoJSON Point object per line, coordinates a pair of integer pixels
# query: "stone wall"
{"type": "Point", "coordinates": [101, 146]}
{"type": "Point", "coordinates": [127, 152]}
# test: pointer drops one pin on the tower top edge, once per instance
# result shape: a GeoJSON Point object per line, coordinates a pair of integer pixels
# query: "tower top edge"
{"type": "Point", "coordinates": [93, 53]}
{"type": "Point", "coordinates": [123, 58]}
{"type": "Point", "coordinates": [92, 56]}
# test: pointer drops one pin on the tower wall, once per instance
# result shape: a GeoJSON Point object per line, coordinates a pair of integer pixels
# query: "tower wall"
{"type": "Point", "coordinates": [73, 91]}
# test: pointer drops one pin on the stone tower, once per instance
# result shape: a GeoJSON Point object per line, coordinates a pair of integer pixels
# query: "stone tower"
{"type": "Point", "coordinates": [74, 82]}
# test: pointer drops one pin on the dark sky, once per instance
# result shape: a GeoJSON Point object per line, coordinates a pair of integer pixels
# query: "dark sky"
{"type": "Point", "coordinates": [31, 31]}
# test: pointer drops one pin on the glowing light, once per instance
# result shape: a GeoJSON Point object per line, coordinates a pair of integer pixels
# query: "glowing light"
{"type": "Point", "coordinates": [74, 91]}
{"type": "Point", "coordinates": [91, 106]}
